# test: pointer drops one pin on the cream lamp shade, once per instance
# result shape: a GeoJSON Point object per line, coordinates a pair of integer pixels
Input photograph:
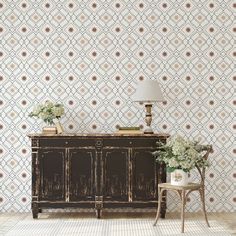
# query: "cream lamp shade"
{"type": "Point", "coordinates": [148, 92]}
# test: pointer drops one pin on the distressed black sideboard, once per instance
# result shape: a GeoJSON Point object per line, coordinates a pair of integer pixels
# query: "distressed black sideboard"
{"type": "Point", "coordinates": [95, 171]}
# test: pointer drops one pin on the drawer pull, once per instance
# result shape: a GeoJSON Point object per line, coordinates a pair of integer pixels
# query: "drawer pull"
{"type": "Point", "coordinates": [66, 142]}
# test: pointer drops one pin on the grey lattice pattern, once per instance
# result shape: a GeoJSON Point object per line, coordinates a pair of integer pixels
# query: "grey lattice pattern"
{"type": "Point", "coordinates": [89, 55]}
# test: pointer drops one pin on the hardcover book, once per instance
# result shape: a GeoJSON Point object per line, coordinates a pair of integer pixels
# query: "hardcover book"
{"type": "Point", "coordinates": [129, 128]}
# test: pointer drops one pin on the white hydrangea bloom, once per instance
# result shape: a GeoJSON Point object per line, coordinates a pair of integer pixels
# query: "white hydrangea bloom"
{"type": "Point", "coordinates": [180, 153]}
{"type": "Point", "coordinates": [48, 111]}
{"type": "Point", "coordinates": [37, 110]}
{"type": "Point", "coordinates": [58, 111]}
{"type": "Point", "coordinates": [173, 163]}
{"type": "Point", "coordinates": [49, 104]}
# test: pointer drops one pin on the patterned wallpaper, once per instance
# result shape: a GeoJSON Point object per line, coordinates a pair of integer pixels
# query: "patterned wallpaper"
{"type": "Point", "coordinates": [89, 55]}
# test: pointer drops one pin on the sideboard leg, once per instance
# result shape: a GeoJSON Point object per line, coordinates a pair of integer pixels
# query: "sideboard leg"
{"type": "Point", "coordinates": [163, 215]}
{"type": "Point", "coordinates": [98, 213]}
{"type": "Point", "coordinates": [35, 210]}
{"type": "Point", "coordinates": [163, 207]}
{"type": "Point", "coordinates": [98, 205]}
{"type": "Point", "coordinates": [35, 213]}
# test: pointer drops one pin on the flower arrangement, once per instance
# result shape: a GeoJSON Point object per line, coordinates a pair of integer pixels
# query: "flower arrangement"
{"type": "Point", "coordinates": [48, 112]}
{"type": "Point", "coordinates": [180, 153]}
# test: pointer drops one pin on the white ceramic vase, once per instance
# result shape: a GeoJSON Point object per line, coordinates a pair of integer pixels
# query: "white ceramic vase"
{"type": "Point", "coordinates": [179, 177]}
{"type": "Point", "coordinates": [59, 127]}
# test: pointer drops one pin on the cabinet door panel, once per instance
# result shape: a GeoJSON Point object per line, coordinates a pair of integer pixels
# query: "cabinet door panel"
{"type": "Point", "coordinates": [52, 173]}
{"type": "Point", "coordinates": [144, 175]}
{"type": "Point", "coordinates": [81, 177]}
{"type": "Point", "coordinates": [115, 174]}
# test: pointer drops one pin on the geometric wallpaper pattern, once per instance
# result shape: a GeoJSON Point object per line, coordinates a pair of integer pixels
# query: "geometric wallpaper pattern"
{"type": "Point", "coordinates": [89, 55]}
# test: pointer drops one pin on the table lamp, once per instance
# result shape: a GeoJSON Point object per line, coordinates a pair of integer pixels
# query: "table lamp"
{"type": "Point", "coordinates": [148, 91]}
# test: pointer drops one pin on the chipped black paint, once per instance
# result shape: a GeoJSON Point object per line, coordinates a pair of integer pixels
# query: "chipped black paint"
{"type": "Point", "coordinates": [95, 171]}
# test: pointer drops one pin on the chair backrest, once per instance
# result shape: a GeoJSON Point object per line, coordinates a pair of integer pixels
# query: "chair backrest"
{"type": "Point", "coordinates": [207, 149]}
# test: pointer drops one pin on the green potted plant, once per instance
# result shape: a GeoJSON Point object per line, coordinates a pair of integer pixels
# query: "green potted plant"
{"type": "Point", "coordinates": [50, 113]}
{"type": "Point", "coordinates": [180, 156]}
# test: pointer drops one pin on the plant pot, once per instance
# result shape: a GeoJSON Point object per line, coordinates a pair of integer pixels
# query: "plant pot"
{"type": "Point", "coordinates": [179, 177]}
{"type": "Point", "coordinates": [59, 128]}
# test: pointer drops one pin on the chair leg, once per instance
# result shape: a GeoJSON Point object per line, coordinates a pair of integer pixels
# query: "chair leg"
{"type": "Point", "coordinates": [183, 200]}
{"type": "Point", "coordinates": [160, 191]}
{"type": "Point", "coordinates": [202, 196]}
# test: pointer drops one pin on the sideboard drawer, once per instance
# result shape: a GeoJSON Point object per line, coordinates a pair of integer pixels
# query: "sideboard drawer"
{"type": "Point", "coordinates": [97, 142]}
{"type": "Point", "coordinates": [129, 142]}
{"type": "Point", "coordinates": [59, 142]}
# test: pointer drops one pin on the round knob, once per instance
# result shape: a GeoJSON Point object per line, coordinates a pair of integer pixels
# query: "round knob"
{"type": "Point", "coordinates": [66, 142]}
{"type": "Point", "coordinates": [130, 142]}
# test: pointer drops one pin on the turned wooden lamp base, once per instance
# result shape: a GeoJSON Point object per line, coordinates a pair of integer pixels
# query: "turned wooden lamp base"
{"type": "Point", "coordinates": [148, 119]}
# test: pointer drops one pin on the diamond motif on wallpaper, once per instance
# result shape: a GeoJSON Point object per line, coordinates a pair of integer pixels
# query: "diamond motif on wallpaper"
{"type": "Point", "coordinates": [90, 56]}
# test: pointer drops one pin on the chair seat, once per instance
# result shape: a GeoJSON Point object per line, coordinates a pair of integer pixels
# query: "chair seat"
{"type": "Point", "coordinates": [189, 186]}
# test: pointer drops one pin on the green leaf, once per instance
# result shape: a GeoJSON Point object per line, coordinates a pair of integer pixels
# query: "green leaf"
{"type": "Point", "coordinates": [170, 169]}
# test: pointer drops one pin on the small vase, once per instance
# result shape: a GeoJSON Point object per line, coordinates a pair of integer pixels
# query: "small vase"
{"type": "Point", "coordinates": [179, 177]}
{"type": "Point", "coordinates": [59, 127]}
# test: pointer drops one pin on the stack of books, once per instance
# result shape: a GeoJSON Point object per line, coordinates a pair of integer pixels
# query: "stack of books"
{"type": "Point", "coordinates": [49, 130]}
{"type": "Point", "coordinates": [129, 130]}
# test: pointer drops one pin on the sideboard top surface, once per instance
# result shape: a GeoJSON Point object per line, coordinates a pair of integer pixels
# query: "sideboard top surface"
{"type": "Point", "coordinates": [94, 135]}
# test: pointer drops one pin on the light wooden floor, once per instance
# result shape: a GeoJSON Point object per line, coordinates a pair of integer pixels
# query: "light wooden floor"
{"type": "Point", "coordinates": [225, 218]}
{"type": "Point", "coordinates": [228, 220]}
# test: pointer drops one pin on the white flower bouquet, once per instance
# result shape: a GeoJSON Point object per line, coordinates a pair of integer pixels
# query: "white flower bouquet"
{"type": "Point", "coordinates": [48, 112]}
{"type": "Point", "coordinates": [180, 153]}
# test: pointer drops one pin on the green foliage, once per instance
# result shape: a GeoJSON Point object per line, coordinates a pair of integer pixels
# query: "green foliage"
{"type": "Point", "coordinates": [180, 153]}
{"type": "Point", "coordinates": [48, 112]}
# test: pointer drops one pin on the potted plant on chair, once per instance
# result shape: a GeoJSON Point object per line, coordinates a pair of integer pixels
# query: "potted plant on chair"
{"type": "Point", "coordinates": [180, 156]}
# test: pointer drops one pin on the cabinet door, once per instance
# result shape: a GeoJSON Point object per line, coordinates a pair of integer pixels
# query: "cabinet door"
{"type": "Point", "coordinates": [115, 174]}
{"type": "Point", "coordinates": [52, 174]}
{"type": "Point", "coordinates": [144, 175]}
{"type": "Point", "coordinates": [81, 174]}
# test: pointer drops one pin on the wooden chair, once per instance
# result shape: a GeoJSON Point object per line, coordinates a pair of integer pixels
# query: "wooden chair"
{"type": "Point", "coordinates": [184, 191]}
